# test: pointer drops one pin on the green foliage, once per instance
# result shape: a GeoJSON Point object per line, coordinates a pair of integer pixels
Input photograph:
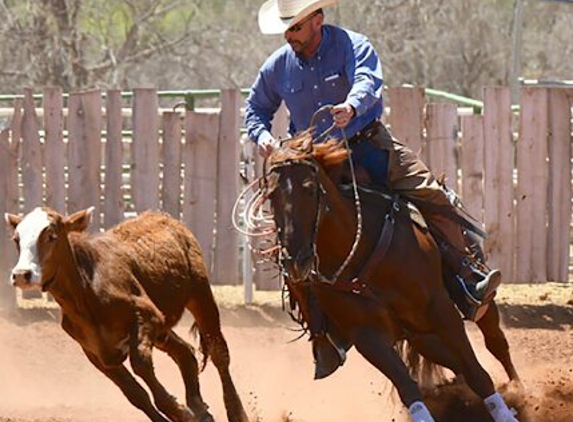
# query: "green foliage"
{"type": "Point", "coordinates": [458, 46]}
{"type": "Point", "coordinates": [110, 21]}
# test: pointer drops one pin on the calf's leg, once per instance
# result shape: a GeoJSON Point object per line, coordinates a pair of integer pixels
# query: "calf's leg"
{"type": "Point", "coordinates": [140, 354]}
{"type": "Point", "coordinates": [204, 309]}
{"type": "Point", "coordinates": [134, 392]}
{"type": "Point", "coordinates": [182, 353]}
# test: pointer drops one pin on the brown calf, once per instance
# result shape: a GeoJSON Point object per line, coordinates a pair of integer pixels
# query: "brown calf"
{"type": "Point", "coordinates": [121, 293]}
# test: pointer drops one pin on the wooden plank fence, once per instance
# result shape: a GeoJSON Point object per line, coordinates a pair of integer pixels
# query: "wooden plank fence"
{"type": "Point", "coordinates": [512, 170]}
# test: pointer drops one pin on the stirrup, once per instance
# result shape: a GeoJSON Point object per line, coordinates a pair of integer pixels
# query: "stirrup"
{"type": "Point", "coordinates": [492, 281]}
{"type": "Point", "coordinates": [468, 295]}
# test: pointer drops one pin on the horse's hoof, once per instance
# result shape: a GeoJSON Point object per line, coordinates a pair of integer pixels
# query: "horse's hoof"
{"type": "Point", "coordinates": [327, 358]}
{"type": "Point", "coordinates": [241, 417]}
{"type": "Point", "coordinates": [204, 417]}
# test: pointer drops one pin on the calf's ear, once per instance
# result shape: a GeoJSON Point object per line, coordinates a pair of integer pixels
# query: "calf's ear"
{"type": "Point", "coordinates": [79, 221]}
{"type": "Point", "coordinates": [12, 220]}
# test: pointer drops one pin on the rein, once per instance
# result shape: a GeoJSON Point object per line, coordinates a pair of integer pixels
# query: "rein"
{"type": "Point", "coordinates": [258, 222]}
{"type": "Point", "coordinates": [335, 277]}
{"type": "Point", "coordinates": [357, 203]}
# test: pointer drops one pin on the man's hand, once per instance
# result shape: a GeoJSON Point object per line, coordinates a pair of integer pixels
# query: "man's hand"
{"type": "Point", "coordinates": [267, 144]}
{"type": "Point", "coordinates": [342, 114]}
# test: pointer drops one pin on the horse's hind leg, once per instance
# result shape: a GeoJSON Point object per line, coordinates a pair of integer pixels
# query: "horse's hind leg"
{"type": "Point", "coordinates": [203, 307]}
{"type": "Point", "coordinates": [182, 353]}
{"type": "Point", "coordinates": [378, 350]}
{"type": "Point", "coordinates": [449, 326]}
{"type": "Point", "coordinates": [495, 340]}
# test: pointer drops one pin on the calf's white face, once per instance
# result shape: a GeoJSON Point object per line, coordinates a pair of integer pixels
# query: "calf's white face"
{"type": "Point", "coordinates": [32, 235]}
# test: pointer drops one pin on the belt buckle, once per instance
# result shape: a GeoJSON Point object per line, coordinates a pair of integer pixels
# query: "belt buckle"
{"type": "Point", "coordinates": [375, 127]}
{"type": "Point", "coordinates": [356, 138]}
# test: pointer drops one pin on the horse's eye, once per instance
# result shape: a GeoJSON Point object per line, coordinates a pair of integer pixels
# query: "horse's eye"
{"type": "Point", "coordinates": [272, 193]}
{"type": "Point", "coordinates": [308, 184]}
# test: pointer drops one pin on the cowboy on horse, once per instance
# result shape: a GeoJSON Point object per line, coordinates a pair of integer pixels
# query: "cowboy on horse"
{"type": "Point", "coordinates": [324, 64]}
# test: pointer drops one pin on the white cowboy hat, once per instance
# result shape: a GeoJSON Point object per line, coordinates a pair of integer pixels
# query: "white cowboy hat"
{"type": "Point", "coordinates": [276, 16]}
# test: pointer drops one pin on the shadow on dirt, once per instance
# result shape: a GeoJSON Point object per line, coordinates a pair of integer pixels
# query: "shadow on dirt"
{"type": "Point", "coordinates": [546, 316]}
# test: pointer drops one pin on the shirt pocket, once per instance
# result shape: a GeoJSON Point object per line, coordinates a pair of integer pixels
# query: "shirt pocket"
{"type": "Point", "coordinates": [291, 88]}
{"type": "Point", "coordinates": [334, 87]}
{"type": "Point", "coordinates": [332, 79]}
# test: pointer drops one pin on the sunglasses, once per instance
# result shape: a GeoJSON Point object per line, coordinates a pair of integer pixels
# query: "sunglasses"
{"type": "Point", "coordinates": [298, 26]}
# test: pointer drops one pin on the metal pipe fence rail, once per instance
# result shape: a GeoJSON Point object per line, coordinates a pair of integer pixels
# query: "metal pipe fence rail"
{"type": "Point", "coordinates": [72, 151]}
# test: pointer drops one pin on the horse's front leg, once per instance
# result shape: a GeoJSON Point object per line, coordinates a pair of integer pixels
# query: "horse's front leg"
{"type": "Point", "coordinates": [377, 348]}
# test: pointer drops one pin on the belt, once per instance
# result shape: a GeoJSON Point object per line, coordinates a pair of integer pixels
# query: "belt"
{"type": "Point", "coordinates": [366, 132]}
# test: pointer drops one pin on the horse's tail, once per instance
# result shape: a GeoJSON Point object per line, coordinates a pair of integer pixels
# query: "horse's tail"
{"type": "Point", "coordinates": [426, 373]}
{"type": "Point", "coordinates": [203, 345]}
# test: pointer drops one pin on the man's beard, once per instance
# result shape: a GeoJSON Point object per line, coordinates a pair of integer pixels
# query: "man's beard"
{"type": "Point", "coordinates": [298, 46]}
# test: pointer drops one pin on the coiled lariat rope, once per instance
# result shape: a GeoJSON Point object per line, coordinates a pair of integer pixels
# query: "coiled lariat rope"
{"type": "Point", "coordinates": [259, 223]}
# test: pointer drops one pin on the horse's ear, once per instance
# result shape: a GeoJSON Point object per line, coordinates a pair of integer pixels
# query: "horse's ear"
{"type": "Point", "coordinates": [79, 221]}
{"type": "Point", "coordinates": [272, 180]}
{"type": "Point", "coordinates": [307, 145]}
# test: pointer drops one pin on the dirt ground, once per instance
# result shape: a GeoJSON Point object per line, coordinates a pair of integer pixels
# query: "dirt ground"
{"type": "Point", "coordinates": [45, 378]}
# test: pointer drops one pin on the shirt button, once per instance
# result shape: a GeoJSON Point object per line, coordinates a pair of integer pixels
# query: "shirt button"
{"type": "Point", "coordinates": [316, 87]}
{"type": "Point", "coordinates": [312, 68]}
{"type": "Point", "coordinates": [319, 103]}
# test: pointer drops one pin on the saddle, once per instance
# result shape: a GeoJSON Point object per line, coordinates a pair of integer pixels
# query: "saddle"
{"type": "Point", "coordinates": [381, 196]}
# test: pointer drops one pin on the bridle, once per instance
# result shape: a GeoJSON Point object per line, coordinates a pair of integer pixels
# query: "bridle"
{"type": "Point", "coordinates": [322, 205]}
{"type": "Point", "coordinates": [284, 254]}
{"type": "Point", "coordinates": [259, 224]}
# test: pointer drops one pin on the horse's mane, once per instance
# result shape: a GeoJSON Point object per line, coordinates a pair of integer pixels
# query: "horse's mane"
{"type": "Point", "coordinates": [328, 154]}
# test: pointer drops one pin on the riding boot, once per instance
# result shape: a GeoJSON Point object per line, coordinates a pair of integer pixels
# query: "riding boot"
{"type": "Point", "coordinates": [328, 349]}
{"type": "Point", "coordinates": [410, 177]}
{"type": "Point", "coordinates": [480, 284]}
{"type": "Point", "coordinates": [477, 282]}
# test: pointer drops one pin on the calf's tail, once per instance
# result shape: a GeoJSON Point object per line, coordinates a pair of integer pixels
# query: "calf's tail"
{"type": "Point", "coordinates": [203, 345]}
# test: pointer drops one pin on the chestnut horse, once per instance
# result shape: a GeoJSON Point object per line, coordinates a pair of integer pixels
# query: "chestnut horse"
{"type": "Point", "coordinates": [325, 243]}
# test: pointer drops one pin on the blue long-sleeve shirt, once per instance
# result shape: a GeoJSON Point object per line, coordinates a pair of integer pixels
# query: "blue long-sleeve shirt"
{"type": "Point", "coordinates": [345, 68]}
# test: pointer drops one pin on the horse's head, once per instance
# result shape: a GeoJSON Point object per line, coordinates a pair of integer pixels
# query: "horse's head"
{"type": "Point", "coordinates": [296, 195]}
